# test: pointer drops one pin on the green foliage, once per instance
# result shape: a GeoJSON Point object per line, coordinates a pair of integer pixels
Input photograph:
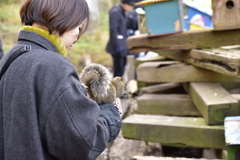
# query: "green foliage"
{"type": "Point", "coordinates": [9, 1]}
{"type": "Point", "coordinates": [9, 18]}
{"type": "Point", "coordinates": [10, 24]}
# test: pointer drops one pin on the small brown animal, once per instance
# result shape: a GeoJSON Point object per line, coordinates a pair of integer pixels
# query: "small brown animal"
{"type": "Point", "coordinates": [99, 84]}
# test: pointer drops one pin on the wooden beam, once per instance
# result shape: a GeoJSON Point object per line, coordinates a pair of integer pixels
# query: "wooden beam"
{"type": "Point", "coordinates": [184, 131]}
{"type": "Point", "coordinates": [218, 60]}
{"type": "Point", "coordinates": [167, 104]}
{"type": "Point", "coordinates": [174, 71]}
{"type": "Point", "coordinates": [213, 102]}
{"type": "Point", "coordinates": [184, 41]}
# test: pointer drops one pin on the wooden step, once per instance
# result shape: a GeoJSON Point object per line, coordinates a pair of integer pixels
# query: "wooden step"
{"type": "Point", "coordinates": [213, 102]}
{"type": "Point", "coordinates": [174, 71]}
{"type": "Point", "coordinates": [172, 130]}
{"type": "Point", "coordinates": [167, 104]}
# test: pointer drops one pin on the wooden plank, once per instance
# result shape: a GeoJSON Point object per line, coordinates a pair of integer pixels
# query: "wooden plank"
{"type": "Point", "coordinates": [213, 102]}
{"type": "Point", "coordinates": [165, 158]}
{"type": "Point", "coordinates": [218, 60]}
{"type": "Point", "coordinates": [230, 85]}
{"type": "Point", "coordinates": [237, 97]}
{"type": "Point", "coordinates": [187, 131]}
{"type": "Point", "coordinates": [225, 14]}
{"type": "Point", "coordinates": [184, 41]}
{"type": "Point", "coordinates": [167, 104]}
{"type": "Point", "coordinates": [174, 71]}
{"type": "Point", "coordinates": [162, 88]}
{"type": "Point", "coordinates": [145, 84]}
{"type": "Point", "coordinates": [141, 60]}
{"type": "Point", "coordinates": [224, 154]}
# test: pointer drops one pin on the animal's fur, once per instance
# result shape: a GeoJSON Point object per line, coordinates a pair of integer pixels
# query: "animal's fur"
{"type": "Point", "coordinates": [100, 86]}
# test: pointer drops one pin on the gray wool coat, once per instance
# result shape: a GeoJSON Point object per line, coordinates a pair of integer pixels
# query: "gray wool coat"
{"type": "Point", "coordinates": [45, 109]}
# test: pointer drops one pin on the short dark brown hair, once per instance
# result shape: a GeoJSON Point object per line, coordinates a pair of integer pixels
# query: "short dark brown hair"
{"type": "Point", "coordinates": [57, 15]}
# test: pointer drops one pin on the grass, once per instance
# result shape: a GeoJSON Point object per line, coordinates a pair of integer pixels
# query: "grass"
{"type": "Point", "coordinates": [90, 47]}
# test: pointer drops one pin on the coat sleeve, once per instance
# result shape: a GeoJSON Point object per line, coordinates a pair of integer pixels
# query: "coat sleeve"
{"type": "Point", "coordinates": [77, 128]}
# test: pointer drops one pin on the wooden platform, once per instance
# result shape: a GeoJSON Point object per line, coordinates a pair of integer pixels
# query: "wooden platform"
{"type": "Point", "coordinates": [171, 130]}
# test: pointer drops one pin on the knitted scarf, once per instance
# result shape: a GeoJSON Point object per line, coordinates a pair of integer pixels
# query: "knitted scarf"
{"type": "Point", "coordinates": [55, 40]}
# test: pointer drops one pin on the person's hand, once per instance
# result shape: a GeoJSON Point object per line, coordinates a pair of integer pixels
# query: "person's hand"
{"type": "Point", "coordinates": [118, 105]}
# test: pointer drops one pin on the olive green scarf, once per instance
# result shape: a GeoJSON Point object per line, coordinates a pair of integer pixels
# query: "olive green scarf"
{"type": "Point", "coordinates": [55, 40]}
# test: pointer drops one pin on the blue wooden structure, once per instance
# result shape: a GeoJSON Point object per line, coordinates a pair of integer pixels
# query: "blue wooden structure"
{"type": "Point", "coordinates": [163, 16]}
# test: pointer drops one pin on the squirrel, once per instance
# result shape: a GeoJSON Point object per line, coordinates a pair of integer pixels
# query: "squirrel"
{"type": "Point", "coordinates": [99, 84]}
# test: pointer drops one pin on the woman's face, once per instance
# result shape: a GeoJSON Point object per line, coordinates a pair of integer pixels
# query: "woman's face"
{"type": "Point", "coordinates": [70, 37]}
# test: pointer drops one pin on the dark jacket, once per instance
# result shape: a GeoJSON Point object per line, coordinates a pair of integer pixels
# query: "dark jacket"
{"type": "Point", "coordinates": [46, 112]}
{"type": "Point", "coordinates": [1, 50]}
{"type": "Point", "coordinates": [132, 22]}
{"type": "Point", "coordinates": [117, 44]}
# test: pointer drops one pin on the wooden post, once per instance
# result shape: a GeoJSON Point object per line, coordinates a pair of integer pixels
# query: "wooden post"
{"type": "Point", "coordinates": [130, 68]}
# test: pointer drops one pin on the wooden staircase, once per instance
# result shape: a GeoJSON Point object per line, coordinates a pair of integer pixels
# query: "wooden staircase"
{"type": "Point", "coordinates": [180, 111]}
{"type": "Point", "coordinates": [185, 92]}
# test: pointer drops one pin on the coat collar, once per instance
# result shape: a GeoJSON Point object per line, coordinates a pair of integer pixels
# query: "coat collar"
{"type": "Point", "coordinates": [42, 38]}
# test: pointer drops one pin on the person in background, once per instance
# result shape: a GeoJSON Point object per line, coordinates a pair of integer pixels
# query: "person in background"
{"type": "Point", "coordinates": [45, 111]}
{"type": "Point", "coordinates": [117, 45]}
{"type": "Point", "coordinates": [132, 24]}
{"type": "Point", "coordinates": [1, 49]}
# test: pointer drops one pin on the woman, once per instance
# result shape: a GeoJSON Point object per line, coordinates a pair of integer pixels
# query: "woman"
{"type": "Point", "coordinates": [45, 111]}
